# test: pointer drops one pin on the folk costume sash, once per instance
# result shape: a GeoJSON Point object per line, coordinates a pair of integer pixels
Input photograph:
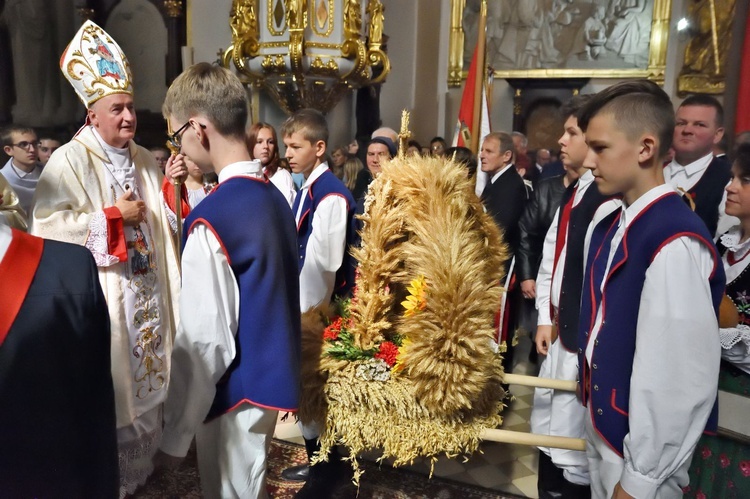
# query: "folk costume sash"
{"type": "Point", "coordinates": [17, 271]}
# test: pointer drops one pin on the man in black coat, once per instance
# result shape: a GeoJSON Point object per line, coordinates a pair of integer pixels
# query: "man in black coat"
{"type": "Point", "coordinates": [57, 407]}
{"type": "Point", "coordinates": [504, 198]}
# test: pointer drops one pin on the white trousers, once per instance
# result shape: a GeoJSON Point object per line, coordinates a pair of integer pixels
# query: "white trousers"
{"type": "Point", "coordinates": [232, 452]}
{"type": "Point", "coordinates": [605, 468]}
{"type": "Point", "coordinates": [560, 413]}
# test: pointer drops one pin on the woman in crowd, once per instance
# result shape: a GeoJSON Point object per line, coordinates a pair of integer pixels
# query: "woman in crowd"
{"type": "Point", "coordinates": [351, 168]}
{"type": "Point", "coordinates": [196, 184]}
{"type": "Point", "coordinates": [721, 464]}
{"type": "Point", "coordinates": [263, 145]}
{"type": "Point", "coordinates": [338, 158]}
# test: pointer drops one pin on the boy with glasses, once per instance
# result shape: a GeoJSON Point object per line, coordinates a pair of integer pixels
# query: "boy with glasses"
{"type": "Point", "coordinates": [22, 169]}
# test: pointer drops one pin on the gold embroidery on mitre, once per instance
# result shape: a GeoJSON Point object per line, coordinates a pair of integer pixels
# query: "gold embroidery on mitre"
{"type": "Point", "coordinates": [95, 65]}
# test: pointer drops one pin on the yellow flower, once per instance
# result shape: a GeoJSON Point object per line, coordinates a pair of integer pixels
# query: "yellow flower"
{"type": "Point", "coordinates": [400, 357]}
{"type": "Point", "coordinates": [417, 299]}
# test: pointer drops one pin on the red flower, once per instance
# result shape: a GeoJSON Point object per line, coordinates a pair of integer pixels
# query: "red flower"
{"type": "Point", "coordinates": [700, 495]}
{"type": "Point", "coordinates": [706, 453]}
{"type": "Point", "coordinates": [388, 352]}
{"type": "Point", "coordinates": [724, 460]}
{"type": "Point", "coordinates": [331, 333]}
{"type": "Point", "coordinates": [745, 468]}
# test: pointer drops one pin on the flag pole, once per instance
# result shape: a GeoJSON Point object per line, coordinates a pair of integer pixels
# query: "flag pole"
{"type": "Point", "coordinates": [479, 80]}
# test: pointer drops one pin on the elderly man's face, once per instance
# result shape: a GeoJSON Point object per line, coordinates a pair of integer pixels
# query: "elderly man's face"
{"type": "Point", "coordinates": [114, 118]}
{"type": "Point", "coordinates": [376, 154]}
{"type": "Point", "coordinates": [542, 157]}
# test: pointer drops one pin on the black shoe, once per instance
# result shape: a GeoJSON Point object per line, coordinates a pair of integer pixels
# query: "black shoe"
{"type": "Point", "coordinates": [296, 473]}
{"type": "Point", "coordinates": [331, 478]}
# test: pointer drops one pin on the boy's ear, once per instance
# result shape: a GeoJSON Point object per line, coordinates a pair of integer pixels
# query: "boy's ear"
{"type": "Point", "coordinates": [649, 149]}
{"type": "Point", "coordinates": [8, 150]}
{"type": "Point", "coordinates": [320, 148]}
{"type": "Point", "coordinates": [202, 136]}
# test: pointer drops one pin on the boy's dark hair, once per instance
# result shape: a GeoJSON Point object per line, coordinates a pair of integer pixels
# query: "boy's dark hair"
{"type": "Point", "coordinates": [311, 124]}
{"type": "Point", "coordinates": [707, 101]}
{"type": "Point", "coordinates": [439, 139]}
{"type": "Point", "coordinates": [574, 106]}
{"type": "Point", "coordinates": [742, 159]}
{"type": "Point", "coordinates": [7, 134]}
{"type": "Point", "coordinates": [638, 106]}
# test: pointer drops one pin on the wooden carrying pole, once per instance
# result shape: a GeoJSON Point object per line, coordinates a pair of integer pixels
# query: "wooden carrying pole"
{"type": "Point", "coordinates": [479, 81]}
{"type": "Point", "coordinates": [523, 438]}
{"type": "Point", "coordinates": [533, 439]}
{"type": "Point", "coordinates": [535, 381]}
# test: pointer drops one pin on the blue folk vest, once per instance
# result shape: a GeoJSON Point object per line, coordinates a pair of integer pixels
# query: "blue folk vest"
{"type": "Point", "coordinates": [572, 277]}
{"type": "Point", "coordinates": [328, 185]}
{"type": "Point", "coordinates": [254, 225]}
{"type": "Point", "coordinates": [605, 385]}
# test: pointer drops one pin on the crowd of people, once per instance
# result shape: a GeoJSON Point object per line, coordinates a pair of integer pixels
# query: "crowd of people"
{"type": "Point", "coordinates": [136, 344]}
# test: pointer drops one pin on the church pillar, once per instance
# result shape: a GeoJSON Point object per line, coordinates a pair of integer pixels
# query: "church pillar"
{"type": "Point", "coordinates": [176, 38]}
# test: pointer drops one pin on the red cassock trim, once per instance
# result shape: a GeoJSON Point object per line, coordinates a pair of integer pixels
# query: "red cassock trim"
{"type": "Point", "coordinates": [116, 245]}
{"type": "Point", "coordinates": [17, 271]}
{"type": "Point", "coordinates": [167, 190]}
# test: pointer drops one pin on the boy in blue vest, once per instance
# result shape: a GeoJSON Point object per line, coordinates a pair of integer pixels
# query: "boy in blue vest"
{"type": "Point", "coordinates": [564, 473]}
{"type": "Point", "coordinates": [648, 346]}
{"type": "Point", "coordinates": [324, 211]}
{"type": "Point", "coordinates": [235, 361]}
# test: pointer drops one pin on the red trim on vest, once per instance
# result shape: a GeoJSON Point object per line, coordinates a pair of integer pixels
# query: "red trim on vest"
{"type": "Point", "coordinates": [248, 401]}
{"type": "Point", "coordinates": [17, 271]}
{"type": "Point", "coordinates": [614, 406]}
{"type": "Point", "coordinates": [213, 231]}
{"type": "Point", "coordinates": [562, 230]}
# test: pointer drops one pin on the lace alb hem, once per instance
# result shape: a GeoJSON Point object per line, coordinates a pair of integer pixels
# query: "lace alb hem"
{"type": "Point", "coordinates": [136, 461]}
{"type": "Point", "coordinates": [96, 241]}
{"type": "Point", "coordinates": [171, 216]}
{"type": "Point", "coordinates": [729, 337]}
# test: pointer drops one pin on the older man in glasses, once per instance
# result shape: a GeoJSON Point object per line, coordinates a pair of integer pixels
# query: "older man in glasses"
{"type": "Point", "coordinates": [22, 169]}
{"type": "Point", "coordinates": [103, 191]}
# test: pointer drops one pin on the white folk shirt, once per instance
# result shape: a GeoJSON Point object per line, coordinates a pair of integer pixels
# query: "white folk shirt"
{"type": "Point", "coordinates": [684, 178]}
{"type": "Point", "coordinates": [548, 287]}
{"type": "Point", "coordinates": [677, 354]}
{"type": "Point", "coordinates": [283, 181]}
{"type": "Point", "coordinates": [204, 346]}
{"type": "Point", "coordinates": [325, 246]}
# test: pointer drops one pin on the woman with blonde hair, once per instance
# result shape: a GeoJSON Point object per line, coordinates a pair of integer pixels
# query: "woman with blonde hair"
{"type": "Point", "coordinates": [352, 167]}
{"type": "Point", "coordinates": [263, 146]}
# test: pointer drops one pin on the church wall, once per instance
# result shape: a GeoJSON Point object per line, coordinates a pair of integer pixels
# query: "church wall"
{"type": "Point", "coordinates": [418, 48]}
{"type": "Point", "coordinates": [398, 14]}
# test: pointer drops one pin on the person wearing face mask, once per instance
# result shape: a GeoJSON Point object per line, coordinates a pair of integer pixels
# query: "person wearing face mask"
{"type": "Point", "coordinates": [263, 145]}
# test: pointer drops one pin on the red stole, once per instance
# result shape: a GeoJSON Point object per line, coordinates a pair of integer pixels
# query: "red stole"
{"type": "Point", "coordinates": [17, 271]}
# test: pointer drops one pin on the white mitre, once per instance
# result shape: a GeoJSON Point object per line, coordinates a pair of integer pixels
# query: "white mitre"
{"type": "Point", "coordinates": [95, 65]}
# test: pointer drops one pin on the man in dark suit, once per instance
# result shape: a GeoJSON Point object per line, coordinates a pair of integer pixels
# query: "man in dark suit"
{"type": "Point", "coordinates": [694, 172]}
{"type": "Point", "coordinates": [504, 198]}
{"type": "Point", "coordinates": [57, 416]}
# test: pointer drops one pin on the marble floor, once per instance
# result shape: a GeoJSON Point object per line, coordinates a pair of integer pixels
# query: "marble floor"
{"type": "Point", "coordinates": [503, 467]}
